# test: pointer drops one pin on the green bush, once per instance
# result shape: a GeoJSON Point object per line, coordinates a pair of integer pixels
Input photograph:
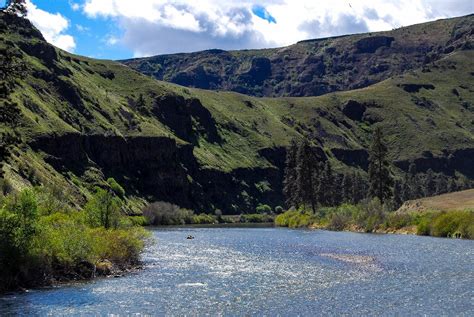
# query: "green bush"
{"type": "Point", "coordinates": [202, 219]}
{"type": "Point", "coordinates": [263, 209]}
{"type": "Point", "coordinates": [163, 213]}
{"type": "Point", "coordinates": [116, 188]}
{"type": "Point", "coordinates": [295, 219]}
{"type": "Point", "coordinates": [103, 209]}
{"type": "Point", "coordinates": [447, 224]}
{"type": "Point", "coordinates": [278, 210]}
{"type": "Point", "coordinates": [61, 243]}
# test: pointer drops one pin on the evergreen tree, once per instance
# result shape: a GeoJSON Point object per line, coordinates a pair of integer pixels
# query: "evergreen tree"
{"type": "Point", "coordinates": [406, 191]}
{"type": "Point", "coordinates": [380, 181]}
{"type": "Point", "coordinates": [397, 194]}
{"type": "Point", "coordinates": [326, 185]}
{"type": "Point", "coordinates": [359, 188]}
{"type": "Point", "coordinates": [346, 191]}
{"type": "Point", "coordinates": [452, 186]}
{"type": "Point", "coordinates": [429, 187]}
{"type": "Point", "coordinates": [289, 180]}
{"type": "Point", "coordinates": [307, 175]}
{"type": "Point", "coordinates": [441, 185]}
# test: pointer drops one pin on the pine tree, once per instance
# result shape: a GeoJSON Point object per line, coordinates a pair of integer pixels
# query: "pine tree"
{"type": "Point", "coordinates": [346, 191]}
{"type": "Point", "coordinates": [397, 194]}
{"type": "Point", "coordinates": [380, 180]}
{"type": "Point", "coordinates": [441, 185]}
{"type": "Point", "coordinates": [327, 190]}
{"type": "Point", "coordinates": [307, 174]}
{"type": "Point", "coordinates": [289, 180]}
{"type": "Point", "coordinates": [452, 186]}
{"type": "Point", "coordinates": [429, 186]}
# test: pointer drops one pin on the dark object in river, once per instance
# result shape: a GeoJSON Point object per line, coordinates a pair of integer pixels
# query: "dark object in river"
{"type": "Point", "coordinates": [190, 237]}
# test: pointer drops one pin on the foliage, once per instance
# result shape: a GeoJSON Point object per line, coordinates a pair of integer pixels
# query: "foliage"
{"type": "Point", "coordinates": [278, 210]}
{"type": "Point", "coordinates": [379, 174]}
{"type": "Point", "coordinates": [116, 188]}
{"type": "Point", "coordinates": [60, 243]}
{"type": "Point", "coordinates": [103, 209]}
{"type": "Point", "coordinates": [202, 219]}
{"type": "Point", "coordinates": [163, 213]}
{"type": "Point", "coordinates": [263, 209]}
{"type": "Point", "coordinates": [295, 219]}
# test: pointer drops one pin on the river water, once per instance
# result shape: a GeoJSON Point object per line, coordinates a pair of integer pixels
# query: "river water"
{"type": "Point", "coordinates": [271, 271]}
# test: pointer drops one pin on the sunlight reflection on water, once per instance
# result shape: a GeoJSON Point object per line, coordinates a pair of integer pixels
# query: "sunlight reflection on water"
{"type": "Point", "coordinates": [275, 271]}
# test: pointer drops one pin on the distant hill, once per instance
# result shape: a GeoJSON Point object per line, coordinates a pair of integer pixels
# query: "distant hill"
{"type": "Point", "coordinates": [463, 200]}
{"type": "Point", "coordinates": [315, 67]}
{"type": "Point", "coordinates": [83, 120]}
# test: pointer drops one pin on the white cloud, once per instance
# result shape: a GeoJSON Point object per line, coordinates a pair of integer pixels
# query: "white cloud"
{"type": "Point", "coordinates": [52, 26]}
{"type": "Point", "coordinates": [164, 26]}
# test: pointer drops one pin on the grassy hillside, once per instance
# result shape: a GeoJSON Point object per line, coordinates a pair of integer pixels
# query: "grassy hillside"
{"type": "Point", "coordinates": [82, 121]}
{"type": "Point", "coordinates": [463, 200]}
{"type": "Point", "coordinates": [315, 67]}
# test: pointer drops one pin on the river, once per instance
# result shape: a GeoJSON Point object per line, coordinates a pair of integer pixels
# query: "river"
{"type": "Point", "coordinates": [272, 271]}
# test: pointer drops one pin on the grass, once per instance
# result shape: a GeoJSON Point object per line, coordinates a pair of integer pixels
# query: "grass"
{"type": "Point", "coordinates": [245, 124]}
{"type": "Point", "coordinates": [370, 216]}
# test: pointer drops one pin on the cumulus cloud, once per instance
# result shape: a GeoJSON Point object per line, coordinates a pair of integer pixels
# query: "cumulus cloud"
{"type": "Point", "coordinates": [168, 26]}
{"type": "Point", "coordinates": [52, 26]}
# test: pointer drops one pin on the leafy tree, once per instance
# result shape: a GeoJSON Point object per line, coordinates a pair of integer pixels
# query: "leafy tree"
{"type": "Point", "coordinates": [103, 210]}
{"type": "Point", "coordinates": [441, 185]}
{"type": "Point", "coordinates": [380, 180]}
{"type": "Point", "coordinates": [289, 181]}
{"type": "Point", "coordinates": [307, 175]}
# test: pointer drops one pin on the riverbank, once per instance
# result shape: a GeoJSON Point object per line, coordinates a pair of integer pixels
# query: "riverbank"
{"type": "Point", "coordinates": [43, 241]}
{"type": "Point", "coordinates": [371, 218]}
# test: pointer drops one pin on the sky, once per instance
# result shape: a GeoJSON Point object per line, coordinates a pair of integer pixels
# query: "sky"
{"type": "Point", "coordinates": [120, 29]}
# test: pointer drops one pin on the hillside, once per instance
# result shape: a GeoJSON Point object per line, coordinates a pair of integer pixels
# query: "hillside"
{"type": "Point", "coordinates": [315, 67]}
{"type": "Point", "coordinates": [82, 121]}
{"type": "Point", "coordinates": [463, 200]}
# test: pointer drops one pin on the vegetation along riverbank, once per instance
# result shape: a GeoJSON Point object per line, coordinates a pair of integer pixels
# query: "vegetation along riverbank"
{"type": "Point", "coordinates": [45, 241]}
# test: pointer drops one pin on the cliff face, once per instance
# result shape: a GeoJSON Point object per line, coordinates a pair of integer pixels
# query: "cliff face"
{"type": "Point", "coordinates": [82, 121]}
{"type": "Point", "coordinates": [314, 67]}
{"type": "Point", "coordinates": [159, 169]}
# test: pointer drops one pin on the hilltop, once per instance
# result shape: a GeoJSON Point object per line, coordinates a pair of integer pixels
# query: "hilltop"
{"type": "Point", "coordinates": [315, 67]}
{"type": "Point", "coordinates": [83, 120]}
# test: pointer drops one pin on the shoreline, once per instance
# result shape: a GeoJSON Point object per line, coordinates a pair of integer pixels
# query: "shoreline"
{"type": "Point", "coordinates": [109, 270]}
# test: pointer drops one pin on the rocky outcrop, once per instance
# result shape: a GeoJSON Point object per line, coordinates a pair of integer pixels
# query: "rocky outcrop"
{"type": "Point", "coordinates": [159, 169]}
{"type": "Point", "coordinates": [461, 160]}
{"type": "Point", "coordinates": [357, 158]}
{"type": "Point", "coordinates": [371, 44]}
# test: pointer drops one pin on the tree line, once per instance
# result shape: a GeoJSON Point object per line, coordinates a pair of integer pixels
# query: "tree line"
{"type": "Point", "coordinates": [310, 181]}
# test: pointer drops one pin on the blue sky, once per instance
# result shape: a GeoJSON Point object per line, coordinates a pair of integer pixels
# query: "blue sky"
{"type": "Point", "coordinates": [119, 29]}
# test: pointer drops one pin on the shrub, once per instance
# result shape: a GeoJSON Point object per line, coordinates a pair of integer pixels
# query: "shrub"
{"type": "Point", "coordinates": [446, 224]}
{"type": "Point", "coordinates": [103, 209]}
{"type": "Point", "coordinates": [116, 188]}
{"type": "Point", "coordinates": [202, 219]}
{"type": "Point", "coordinates": [263, 209]}
{"type": "Point", "coordinates": [163, 213]}
{"type": "Point", "coordinates": [295, 219]}
{"type": "Point", "coordinates": [278, 210]}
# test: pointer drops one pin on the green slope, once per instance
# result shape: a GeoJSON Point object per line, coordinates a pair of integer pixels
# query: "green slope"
{"type": "Point", "coordinates": [315, 67]}
{"type": "Point", "coordinates": [82, 121]}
